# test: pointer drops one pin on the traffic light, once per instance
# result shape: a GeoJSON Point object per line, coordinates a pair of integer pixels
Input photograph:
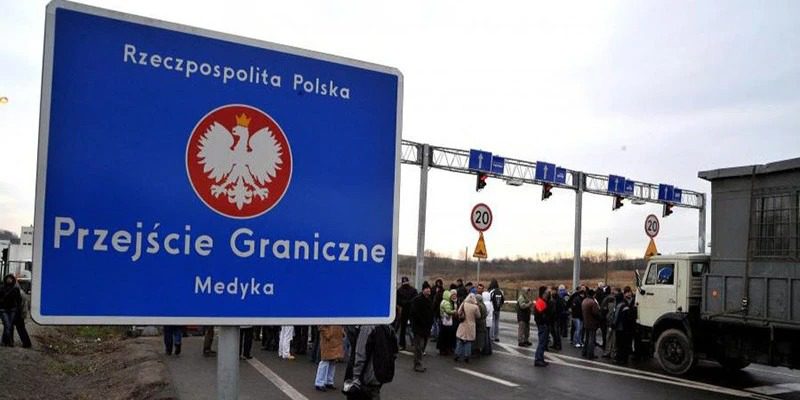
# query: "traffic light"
{"type": "Point", "coordinates": [667, 210]}
{"type": "Point", "coordinates": [546, 191]}
{"type": "Point", "coordinates": [617, 203]}
{"type": "Point", "coordinates": [481, 183]}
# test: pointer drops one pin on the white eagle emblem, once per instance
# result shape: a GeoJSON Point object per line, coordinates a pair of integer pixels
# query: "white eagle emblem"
{"type": "Point", "coordinates": [240, 164]}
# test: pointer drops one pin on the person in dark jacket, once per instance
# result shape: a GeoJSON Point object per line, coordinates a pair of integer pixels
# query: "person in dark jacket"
{"type": "Point", "coordinates": [405, 294]}
{"type": "Point", "coordinates": [575, 302]}
{"type": "Point", "coordinates": [541, 316]}
{"type": "Point", "coordinates": [421, 320]}
{"type": "Point", "coordinates": [172, 338]}
{"type": "Point", "coordinates": [562, 323]}
{"type": "Point", "coordinates": [591, 322]}
{"type": "Point", "coordinates": [553, 313]}
{"type": "Point", "coordinates": [498, 299]}
{"type": "Point", "coordinates": [625, 323]}
{"type": "Point", "coordinates": [360, 380]}
{"type": "Point", "coordinates": [10, 301]}
{"type": "Point", "coordinates": [608, 310]}
{"type": "Point", "coordinates": [437, 292]}
{"type": "Point", "coordinates": [19, 319]}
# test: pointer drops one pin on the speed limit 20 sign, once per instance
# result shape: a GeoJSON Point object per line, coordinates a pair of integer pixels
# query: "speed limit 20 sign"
{"type": "Point", "coordinates": [481, 217]}
{"type": "Point", "coordinates": [651, 226]}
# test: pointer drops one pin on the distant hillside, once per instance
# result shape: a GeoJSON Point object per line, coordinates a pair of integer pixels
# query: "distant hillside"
{"type": "Point", "coordinates": [517, 270]}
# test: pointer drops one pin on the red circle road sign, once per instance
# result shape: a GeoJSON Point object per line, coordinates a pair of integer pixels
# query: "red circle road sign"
{"type": "Point", "coordinates": [651, 226]}
{"type": "Point", "coordinates": [481, 217]}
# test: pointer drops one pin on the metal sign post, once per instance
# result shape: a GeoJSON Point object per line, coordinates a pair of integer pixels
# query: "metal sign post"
{"type": "Point", "coordinates": [576, 252]}
{"type": "Point", "coordinates": [423, 206]}
{"type": "Point", "coordinates": [228, 363]}
{"type": "Point", "coordinates": [226, 175]}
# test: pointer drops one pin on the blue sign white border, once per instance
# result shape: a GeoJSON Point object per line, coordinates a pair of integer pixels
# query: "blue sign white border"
{"type": "Point", "coordinates": [41, 176]}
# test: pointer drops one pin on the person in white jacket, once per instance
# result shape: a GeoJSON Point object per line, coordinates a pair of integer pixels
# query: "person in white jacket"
{"type": "Point", "coordinates": [487, 301]}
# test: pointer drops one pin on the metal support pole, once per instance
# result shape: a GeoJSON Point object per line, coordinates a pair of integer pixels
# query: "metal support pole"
{"type": "Point", "coordinates": [479, 272]}
{"type": "Point", "coordinates": [423, 205]}
{"type": "Point", "coordinates": [576, 253]}
{"type": "Point", "coordinates": [228, 363]}
{"type": "Point", "coordinates": [701, 242]}
{"type": "Point", "coordinates": [606, 279]}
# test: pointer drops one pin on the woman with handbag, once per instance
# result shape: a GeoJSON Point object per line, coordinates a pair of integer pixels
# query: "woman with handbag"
{"type": "Point", "coordinates": [469, 313]}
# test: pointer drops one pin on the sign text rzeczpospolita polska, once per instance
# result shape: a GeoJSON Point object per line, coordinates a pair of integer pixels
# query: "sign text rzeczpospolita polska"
{"type": "Point", "coordinates": [256, 75]}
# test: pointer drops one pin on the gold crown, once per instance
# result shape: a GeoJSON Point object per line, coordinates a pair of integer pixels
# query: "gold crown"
{"type": "Point", "coordinates": [242, 120]}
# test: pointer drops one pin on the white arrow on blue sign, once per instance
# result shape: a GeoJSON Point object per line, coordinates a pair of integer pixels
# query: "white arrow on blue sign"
{"type": "Point", "coordinates": [666, 193]}
{"type": "Point", "coordinates": [480, 160]}
{"type": "Point", "coordinates": [190, 177]}
{"type": "Point", "coordinates": [545, 172]}
{"type": "Point", "coordinates": [616, 184]}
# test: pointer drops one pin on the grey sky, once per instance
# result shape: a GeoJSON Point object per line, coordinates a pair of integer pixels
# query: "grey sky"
{"type": "Point", "coordinates": [654, 91]}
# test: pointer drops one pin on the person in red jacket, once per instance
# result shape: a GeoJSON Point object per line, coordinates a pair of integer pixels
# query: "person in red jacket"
{"type": "Point", "coordinates": [540, 315]}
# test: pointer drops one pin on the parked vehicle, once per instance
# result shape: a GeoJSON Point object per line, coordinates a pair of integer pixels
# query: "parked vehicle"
{"type": "Point", "coordinates": [741, 303]}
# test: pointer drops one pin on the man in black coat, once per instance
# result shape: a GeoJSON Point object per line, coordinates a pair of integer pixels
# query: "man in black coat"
{"type": "Point", "coordinates": [10, 301]}
{"type": "Point", "coordinates": [421, 322]}
{"type": "Point", "coordinates": [405, 294]}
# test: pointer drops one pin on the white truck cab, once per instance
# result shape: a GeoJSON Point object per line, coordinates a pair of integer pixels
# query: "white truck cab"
{"type": "Point", "coordinates": [671, 284]}
{"type": "Point", "coordinates": [668, 304]}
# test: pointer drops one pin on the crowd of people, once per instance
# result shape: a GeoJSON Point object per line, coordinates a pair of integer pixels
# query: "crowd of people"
{"type": "Point", "coordinates": [581, 315]}
{"type": "Point", "coordinates": [463, 319]}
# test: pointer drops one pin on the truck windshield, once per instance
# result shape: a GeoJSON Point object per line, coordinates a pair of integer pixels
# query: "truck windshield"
{"type": "Point", "coordinates": [660, 274]}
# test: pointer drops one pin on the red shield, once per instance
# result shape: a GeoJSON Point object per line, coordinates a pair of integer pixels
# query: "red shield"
{"type": "Point", "coordinates": [238, 161]}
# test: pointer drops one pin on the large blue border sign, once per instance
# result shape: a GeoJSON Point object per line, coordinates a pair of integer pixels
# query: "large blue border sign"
{"type": "Point", "coordinates": [193, 177]}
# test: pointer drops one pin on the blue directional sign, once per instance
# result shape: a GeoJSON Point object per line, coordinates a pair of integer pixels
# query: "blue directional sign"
{"type": "Point", "coordinates": [676, 195]}
{"type": "Point", "coordinates": [616, 184]}
{"type": "Point", "coordinates": [629, 185]}
{"type": "Point", "coordinates": [480, 160]}
{"type": "Point", "coordinates": [666, 193]}
{"type": "Point", "coordinates": [561, 175]}
{"type": "Point", "coordinates": [498, 165]}
{"type": "Point", "coordinates": [191, 177]}
{"type": "Point", "coordinates": [545, 172]}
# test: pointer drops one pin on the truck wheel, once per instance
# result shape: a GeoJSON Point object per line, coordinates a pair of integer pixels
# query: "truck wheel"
{"type": "Point", "coordinates": [675, 352]}
{"type": "Point", "coordinates": [734, 364]}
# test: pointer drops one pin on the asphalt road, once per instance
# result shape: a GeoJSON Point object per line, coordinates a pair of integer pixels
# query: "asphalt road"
{"type": "Point", "coordinates": [507, 374]}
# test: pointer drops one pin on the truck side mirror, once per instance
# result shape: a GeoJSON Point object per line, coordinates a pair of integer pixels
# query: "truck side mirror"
{"type": "Point", "coordinates": [639, 282]}
{"type": "Point", "coordinates": [638, 278]}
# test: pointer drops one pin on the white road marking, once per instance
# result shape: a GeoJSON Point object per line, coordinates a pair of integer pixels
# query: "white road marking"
{"type": "Point", "coordinates": [776, 389]}
{"type": "Point", "coordinates": [509, 348]}
{"type": "Point", "coordinates": [276, 380]}
{"type": "Point", "coordinates": [643, 375]}
{"type": "Point", "coordinates": [487, 377]}
{"type": "Point", "coordinates": [773, 371]}
{"type": "Point", "coordinates": [649, 376]}
{"type": "Point", "coordinates": [406, 352]}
